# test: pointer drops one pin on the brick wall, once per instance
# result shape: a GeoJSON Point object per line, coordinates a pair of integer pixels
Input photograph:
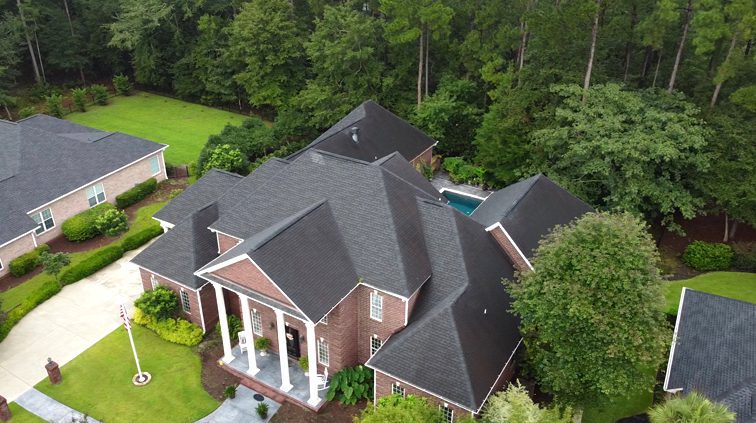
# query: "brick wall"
{"type": "Point", "coordinates": [14, 249]}
{"type": "Point", "coordinates": [412, 302]}
{"type": "Point", "coordinates": [393, 320]}
{"type": "Point", "coordinates": [426, 157]}
{"type": "Point", "coordinates": [209, 306]}
{"type": "Point", "coordinates": [226, 242]}
{"type": "Point", "coordinates": [248, 275]}
{"type": "Point", "coordinates": [341, 335]}
{"type": "Point", "coordinates": [509, 249]}
{"type": "Point", "coordinates": [115, 184]}
{"type": "Point", "coordinates": [194, 315]}
{"type": "Point", "coordinates": [383, 388]}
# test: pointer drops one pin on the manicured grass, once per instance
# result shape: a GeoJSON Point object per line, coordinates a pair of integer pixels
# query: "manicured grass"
{"type": "Point", "coordinates": [98, 382]}
{"type": "Point", "coordinates": [737, 285]}
{"type": "Point", "coordinates": [20, 415]}
{"type": "Point", "coordinates": [610, 411]}
{"type": "Point", "coordinates": [14, 296]}
{"type": "Point", "coordinates": [184, 126]}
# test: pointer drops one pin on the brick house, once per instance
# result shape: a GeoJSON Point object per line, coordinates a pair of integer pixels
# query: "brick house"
{"type": "Point", "coordinates": [52, 169]}
{"type": "Point", "coordinates": [345, 260]}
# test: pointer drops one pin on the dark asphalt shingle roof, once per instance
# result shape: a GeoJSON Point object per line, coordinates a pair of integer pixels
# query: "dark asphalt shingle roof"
{"type": "Point", "coordinates": [209, 188]}
{"type": "Point", "coordinates": [380, 133]}
{"type": "Point", "coordinates": [529, 209]}
{"type": "Point", "coordinates": [461, 334]}
{"type": "Point", "coordinates": [400, 167]}
{"type": "Point", "coordinates": [715, 351]}
{"type": "Point", "coordinates": [38, 166]}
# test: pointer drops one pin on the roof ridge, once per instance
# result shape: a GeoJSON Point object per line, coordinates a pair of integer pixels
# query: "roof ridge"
{"type": "Point", "coordinates": [284, 224]}
{"type": "Point", "coordinates": [455, 332]}
{"type": "Point", "coordinates": [226, 172]}
{"type": "Point", "coordinates": [415, 187]}
{"type": "Point", "coordinates": [530, 185]}
{"type": "Point", "coordinates": [708, 294]}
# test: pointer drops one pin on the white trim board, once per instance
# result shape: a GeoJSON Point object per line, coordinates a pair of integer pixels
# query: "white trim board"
{"type": "Point", "coordinates": [19, 237]}
{"type": "Point", "coordinates": [674, 342]}
{"type": "Point", "coordinates": [462, 193]}
{"type": "Point", "coordinates": [499, 225]}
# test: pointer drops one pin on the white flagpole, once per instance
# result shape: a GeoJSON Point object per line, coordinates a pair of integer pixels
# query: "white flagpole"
{"type": "Point", "coordinates": [127, 325]}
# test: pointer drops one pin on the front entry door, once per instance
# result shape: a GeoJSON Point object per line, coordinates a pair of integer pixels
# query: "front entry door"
{"type": "Point", "coordinates": [292, 342]}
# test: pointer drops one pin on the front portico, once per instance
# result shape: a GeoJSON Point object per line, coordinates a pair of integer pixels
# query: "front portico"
{"type": "Point", "coordinates": [274, 370]}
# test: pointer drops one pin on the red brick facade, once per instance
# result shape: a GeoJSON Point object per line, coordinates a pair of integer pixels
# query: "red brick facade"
{"type": "Point", "coordinates": [246, 274]}
{"type": "Point", "coordinates": [195, 311]}
{"type": "Point", "coordinates": [509, 249]}
{"type": "Point", "coordinates": [392, 321]}
{"type": "Point", "coordinates": [226, 242]}
{"type": "Point", "coordinates": [424, 157]}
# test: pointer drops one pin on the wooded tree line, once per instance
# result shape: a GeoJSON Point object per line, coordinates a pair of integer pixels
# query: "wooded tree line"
{"type": "Point", "coordinates": [643, 105]}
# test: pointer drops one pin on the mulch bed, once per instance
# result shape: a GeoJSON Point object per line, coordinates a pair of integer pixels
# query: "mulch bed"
{"type": "Point", "coordinates": [214, 378]}
{"type": "Point", "coordinates": [331, 412]}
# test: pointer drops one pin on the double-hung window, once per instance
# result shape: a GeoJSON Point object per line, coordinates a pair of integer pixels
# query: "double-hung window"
{"type": "Point", "coordinates": [397, 389]}
{"type": "Point", "coordinates": [323, 352]}
{"type": "Point", "coordinates": [155, 165]}
{"type": "Point", "coordinates": [375, 344]}
{"type": "Point", "coordinates": [447, 414]}
{"type": "Point", "coordinates": [185, 302]}
{"type": "Point", "coordinates": [154, 282]}
{"type": "Point", "coordinates": [376, 306]}
{"type": "Point", "coordinates": [95, 195]}
{"type": "Point", "coordinates": [45, 221]}
{"type": "Point", "coordinates": [256, 323]}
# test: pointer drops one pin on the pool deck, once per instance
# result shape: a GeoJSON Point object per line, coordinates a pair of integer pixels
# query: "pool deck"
{"type": "Point", "coordinates": [442, 183]}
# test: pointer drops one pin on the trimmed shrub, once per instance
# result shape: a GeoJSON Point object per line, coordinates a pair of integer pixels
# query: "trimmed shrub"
{"type": "Point", "coordinates": [55, 105]}
{"type": "Point", "coordinates": [178, 331]}
{"type": "Point", "coordinates": [706, 256]}
{"type": "Point", "coordinates": [24, 264]}
{"type": "Point", "coordinates": [27, 111]}
{"type": "Point", "coordinates": [96, 261]}
{"type": "Point", "coordinates": [83, 226]}
{"type": "Point", "coordinates": [745, 256]}
{"type": "Point", "coordinates": [136, 194]}
{"type": "Point", "coordinates": [351, 384]}
{"type": "Point", "coordinates": [99, 94]}
{"type": "Point", "coordinates": [80, 98]}
{"type": "Point", "coordinates": [160, 303]}
{"type": "Point", "coordinates": [112, 222]}
{"type": "Point", "coordinates": [122, 84]}
{"type": "Point", "coordinates": [35, 298]}
{"type": "Point", "coordinates": [140, 238]}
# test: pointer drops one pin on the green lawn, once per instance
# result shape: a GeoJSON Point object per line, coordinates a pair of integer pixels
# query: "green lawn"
{"type": "Point", "coordinates": [14, 296]}
{"type": "Point", "coordinates": [20, 415]}
{"type": "Point", "coordinates": [611, 411]}
{"type": "Point", "coordinates": [738, 285]}
{"type": "Point", "coordinates": [98, 382]}
{"type": "Point", "coordinates": [184, 126]}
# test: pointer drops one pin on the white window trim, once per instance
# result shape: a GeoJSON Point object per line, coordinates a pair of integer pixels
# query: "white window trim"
{"type": "Point", "coordinates": [42, 221]}
{"type": "Point", "coordinates": [154, 282]}
{"type": "Point", "coordinates": [94, 190]}
{"type": "Point", "coordinates": [322, 345]}
{"type": "Point", "coordinates": [1, 264]}
{"type": "Point", "coordinates": [443, 409]}
{"type": "Point", "coordinates": [396, 386]}
{"type": "Point", "coordinates": [156, 157]}
{"type": "Point", "coordinates": [324, 320]}
{"type": "Point", "coordinates": [185, 304]}
{"type": "Point", "coordinates": [374, 295]}
{"type": "Point", "coordinates": [372, 338]}
{"type": "Point", "coordinates": [256, 329]}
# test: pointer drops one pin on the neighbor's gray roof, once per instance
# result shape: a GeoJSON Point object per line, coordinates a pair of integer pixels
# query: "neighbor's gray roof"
{"type": "Point", "coordinates": [38, 166]}
{"type": "Point", "coordinates": [380, 133]}
{"type": "Point", "coordinates": [715, 351]}
{"type": "Point", "coordinates": [465, 305]}
{"type": "Point", "coordinates": [529, 209]}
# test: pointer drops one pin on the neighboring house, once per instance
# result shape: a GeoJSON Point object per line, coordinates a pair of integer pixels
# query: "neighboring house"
{"type": "Point", "coordinates": [52, 169]}
{"type": "Point", "coordinates": [344, 261]}
{"type": "Point", "coordinates": [714, 352]}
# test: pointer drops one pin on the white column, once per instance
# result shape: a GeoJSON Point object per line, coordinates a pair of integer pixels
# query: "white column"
{"type": "Point", "coordinates": [282, 355]}
{"type": "Point", "coordinates": [228, 356]}
{"type": "Point", "coordinates": [312, 360]}
{"type": "Point", "coordinates": [247, 318]}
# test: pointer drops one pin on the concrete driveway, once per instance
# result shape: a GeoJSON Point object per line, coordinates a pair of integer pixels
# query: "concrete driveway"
{"type": "Point", "coordinates": [66, 325]}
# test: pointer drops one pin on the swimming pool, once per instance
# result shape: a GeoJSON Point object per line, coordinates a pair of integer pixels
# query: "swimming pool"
{"type": "Point", "coordinates": [464, 203]}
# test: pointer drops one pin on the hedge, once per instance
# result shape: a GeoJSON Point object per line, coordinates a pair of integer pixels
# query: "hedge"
{"type": "Point", "coordinates": [134, 195]}
{"type": "Point", "coordinates": [745, 256]}
{"type": "Point", "coordinates": [707, 256]}
{"type": "Point", "coordinates": [82, 226]}
{"type": "Point", "coordinates": [91, 264]}
{"type": "Point", "coordinates": [24, 264]}
{"type": "Point", "coordinates": [37, 297]}
{"type": "Point", "coordinates": [178, 331]}
{"type": "Point", "coordinates": [140, 238]}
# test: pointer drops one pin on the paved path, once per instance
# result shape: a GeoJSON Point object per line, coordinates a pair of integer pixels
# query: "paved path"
{"type": "Point", "coordinates": [66, 325]}
{"type": "Point", "coordinates": [243, 408]}
{"type": "Point", "coordinates": [50, 410]}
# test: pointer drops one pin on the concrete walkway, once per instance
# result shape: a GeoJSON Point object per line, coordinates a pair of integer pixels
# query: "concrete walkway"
{"type": "Point", "coordinates": [50, 410]}
{"type": "Point", "coordinates": [243, 408]}
{"type": "Point", "coordinates": [66, 325]}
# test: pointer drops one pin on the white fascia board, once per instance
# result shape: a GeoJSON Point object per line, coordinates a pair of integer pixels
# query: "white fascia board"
{"type": "Point", "coordinates": [674, 342]}
{"type": "Point", "coordinates": [499, 225]}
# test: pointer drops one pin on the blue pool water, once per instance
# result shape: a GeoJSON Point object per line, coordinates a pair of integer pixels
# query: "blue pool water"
{"type": "Point", "coordinates": [463, 203]}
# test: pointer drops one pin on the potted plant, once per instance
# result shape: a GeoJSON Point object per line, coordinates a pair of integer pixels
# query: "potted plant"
{"type": "Point", "coordinates": [262, 344]}
{"type": "Point", "coordinates": [262, 410]}
{"type": "Point", "coordinates": [304, 363]}
{"type": "Point", "coordinates": [230, 391]}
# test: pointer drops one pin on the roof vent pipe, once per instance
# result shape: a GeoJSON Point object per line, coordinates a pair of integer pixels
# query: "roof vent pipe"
{"type": "Point", "coordinates": [355, 134]}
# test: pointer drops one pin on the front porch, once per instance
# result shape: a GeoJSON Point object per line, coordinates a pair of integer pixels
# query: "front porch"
{"type": "Point", "coordinates": [269, 376]}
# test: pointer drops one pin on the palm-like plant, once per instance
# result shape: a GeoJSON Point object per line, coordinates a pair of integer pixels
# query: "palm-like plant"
{"type": "Point", "coordinates": [691, 408]}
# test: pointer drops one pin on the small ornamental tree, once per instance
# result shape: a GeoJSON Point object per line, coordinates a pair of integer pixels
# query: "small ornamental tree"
{"type": "Point", "coordinates": [691, 408]}
{"type": "Point", "coordinates": [122, 84]}
{"type": "Point", "coordinates": [160, 303]}
{"type": "Point", "coordinates": [515, 406]}
{"type": "Point", "coordinates": [227, 158]}
{"type": "Point", "coordinates": [592, 310]}
{"type": "Point", "coordinates": [112, 222]}
{"type": "Point", "coordinates": [80, 99]}
{"type": "Point", "coordinates": [55, 105]}
{"type": "Point", "coordinates": [99, 94]}
{"type": "Point", "coordinates": [395, 408]}
{"type": "Point", "coordinates": [53, 263]}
